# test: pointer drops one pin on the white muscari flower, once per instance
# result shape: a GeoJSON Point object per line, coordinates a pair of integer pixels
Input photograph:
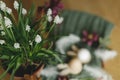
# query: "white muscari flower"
{"type": "Point", "coordinates": [49, 12]}
{"type": "Point", "coordinates": [2, 42]}
{"type": "Point", "coordinates": [16, 5]}
{"type": "Point", "coordinates": [16, 45]}
{"type": "Point", "coordinates": [58, 19]}
{"type": "Point", "coordinates": [38, 39]}
{"type": "Point", "coordinates": [2, 5]}
{"type": "Point", "coordinates": [8, 22]}
{"type": "Point", "coordinates": [24, 11]}
{"type": "Point", "coordinates": [49, 15]}
{"type": "Point", "coordinates": [50, 18]}
{"type": "Point", "coordinates": [28, 28]}
{"type": "Point", "coordinates": [8, 10]}
{"type": "Point", "coordinates": [2, 33]}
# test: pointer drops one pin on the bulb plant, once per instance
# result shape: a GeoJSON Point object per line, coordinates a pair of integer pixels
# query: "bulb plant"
{"type": "Point", "coordinates": [23, 39]}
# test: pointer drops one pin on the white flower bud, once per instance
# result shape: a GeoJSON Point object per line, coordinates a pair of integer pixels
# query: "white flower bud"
{"type": "Point", "coordinates": [2, 42]}
{"type": "Point", "coordinates": [58, 20]}
{"type": "Point", "coordinates": [16, 45]}
{"type": "Point", "coordinates": [8, 22]}
{"type": "Point", "coordinates": [50, 18]}
{"type": "Point", "coordinates": [16, 5]}
{"type": "Point", "coordinates": [24, 11]}
{"type": "Point", "coordinates": [28, 28]}
{"type": "Point", "coordinates": [2, 5]}
{"type": "Point", "coordinates": [49, 12]}
{"type": "Point", "coordinates": [38, 39]}
{"type": "Point", "coordinates": [8, 10]}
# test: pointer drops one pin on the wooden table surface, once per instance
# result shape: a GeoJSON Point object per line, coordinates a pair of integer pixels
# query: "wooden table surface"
{"type": "Point", "coordinates": [108, 9]}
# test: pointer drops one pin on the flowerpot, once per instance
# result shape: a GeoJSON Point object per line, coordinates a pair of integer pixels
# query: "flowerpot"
{"type": "Point", "coordinates": [19, 78]}
{"type": "Point", "coordinates": [31, 72]}
{"type": "Point", "coordinates": [26, 77]}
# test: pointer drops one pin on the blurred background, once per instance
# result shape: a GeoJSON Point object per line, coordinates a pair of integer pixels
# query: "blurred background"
{"type": "Point", "coordinates": [108, 9]}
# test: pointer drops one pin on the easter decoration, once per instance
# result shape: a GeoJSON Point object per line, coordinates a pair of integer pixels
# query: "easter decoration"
{"type": "Point", "coordinates": [82, 41]}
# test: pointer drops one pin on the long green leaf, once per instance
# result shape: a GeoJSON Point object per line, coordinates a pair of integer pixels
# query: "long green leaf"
{"type": "Point", "coordinates": [15, 68]}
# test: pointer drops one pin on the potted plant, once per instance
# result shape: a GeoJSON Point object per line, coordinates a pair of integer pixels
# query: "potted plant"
{"type": "Point", "coordinates": [24, 42]}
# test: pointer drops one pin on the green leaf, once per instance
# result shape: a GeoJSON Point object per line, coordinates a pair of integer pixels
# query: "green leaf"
{"type": "Point", "coordinates": [18, 64]}
{"type": "Point", "coordinates": [49, 52]}
{"type": "Point", "coordinates": [4, 57]}
{"type": "Point", "coordinates": [31, 13]}
{"type": "Point", "coordinates": [5, 72]}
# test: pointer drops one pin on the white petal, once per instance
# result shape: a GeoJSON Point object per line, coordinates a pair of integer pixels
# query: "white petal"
{"type": "Point", "coordinates": [24, 11]}
{"type": "Point", "coordinates": [58, 20]}
{"type": "Point", "coordinates": [2, 5]}
{"type": "Point", "coordinates": [16, 45]}
{"type": "Point", "coordinates": [28, 28]}
{"type": "Point", "coordinates": [49, 12]}
{"type": "Point", "coordinates": [38, 39]}
{"type": "Point", "coordinates": [50, 18]}
{"type": "Point", "coordinates": [8, 22]}
{"type": "Point", "coordinates": [2, 42]}
{"type": "Point", "coordinates": [16, 5]}
{"type": "Point", "coordinates": [8, 10]}
{"type": "Point", "coordinates": [61, 20]}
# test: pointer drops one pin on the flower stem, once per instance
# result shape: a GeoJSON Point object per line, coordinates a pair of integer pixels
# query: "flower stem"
{"type": "Point", "coordinates": [50, 30]}
{"type": "Point", "coordinates": [12, 34]}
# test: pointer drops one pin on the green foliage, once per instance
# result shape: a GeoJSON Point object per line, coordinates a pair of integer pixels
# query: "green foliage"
{"type": "Point", "coordinates": [29, 51]}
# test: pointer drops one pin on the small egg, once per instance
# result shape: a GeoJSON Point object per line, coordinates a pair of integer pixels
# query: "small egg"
{"type": "Point", "coordinates": [84, 55]}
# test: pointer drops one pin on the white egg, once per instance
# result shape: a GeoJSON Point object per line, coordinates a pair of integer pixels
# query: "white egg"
{"type": "Point", "coordinates": [84, 55]}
